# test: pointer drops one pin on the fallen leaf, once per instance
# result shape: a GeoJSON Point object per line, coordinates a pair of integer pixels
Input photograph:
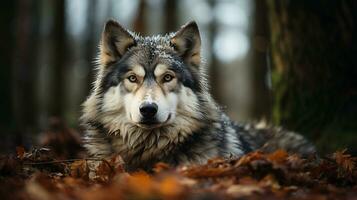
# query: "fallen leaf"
{"type": "Point", "coordinates": [344, 160]}
{"type": "Point", "coordinates": [141, 183]}
{"type": "Point", "coordinates": [238, 191]}
{"type": "Point", "coordinates": [159, 167]}
{"type": "Point", "coordinates": [20, 152]}
{"type": "Point", "coordinates": [170, 187]}
{"type": "Point", "coordinates": [278, 156]}
{"type": "Point", "coordinates": [80, 169]}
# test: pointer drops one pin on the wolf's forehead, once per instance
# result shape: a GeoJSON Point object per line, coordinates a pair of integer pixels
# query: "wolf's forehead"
{"type": "Point", "coordinates": [155, 44]}
{"type": "Point", "coordinates": [154, 41]}
{"type": "Point", "coordinates": [139, 70]}
{"type": "Point", "coordinates": [157, 70]}
{"type": "Point", "coordinates": [151, 51]}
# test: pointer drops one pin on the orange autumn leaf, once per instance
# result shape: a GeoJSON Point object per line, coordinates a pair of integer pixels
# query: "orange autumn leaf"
{"type": "Point", "coordinates": [170, 187]}
{"type": "Point", "coordinates": [117, 163]}
{"type": "Point", "coordinates": [201, 172]}
{"type": "Point", "coordinates": [104, 171]}
{"type": "Point", "coordinates": [256, 175]}
{"type": "Point", "coordinates": [141, 183]}
{"type": "Point", "coordinates": [80, 169]}
{"type": "Point", "coordinates": [159, 167]}
{"type": "Point", "coordinates": [278, 156]}
{"type": "Point", "coordinates": [20, 152]}
{"type": "Point", "coordinates": [344, 160]}
{"type": "Point", "coordinates": [256, 155]}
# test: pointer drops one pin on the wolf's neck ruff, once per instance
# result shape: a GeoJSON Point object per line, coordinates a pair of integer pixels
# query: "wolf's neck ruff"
{"type": "Point", "coordinates": [150, 103]}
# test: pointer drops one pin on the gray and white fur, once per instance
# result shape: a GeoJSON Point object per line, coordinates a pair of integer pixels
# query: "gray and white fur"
{"type": "Point", "coordinates": [150, 103]}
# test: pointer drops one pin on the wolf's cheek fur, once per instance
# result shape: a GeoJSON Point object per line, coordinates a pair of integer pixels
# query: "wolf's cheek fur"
{"type": "Point", "coordinates": [170, 86]}
{"type": "Point", "coordinates": [132, 103]}
{"type": "Point", "coordinates": [112, 113]}
{"type": "Point", "coordinates": [112, 101]}
{"type": "Point", "coordinates": [129, 87]}
{"type": "Point", "coordinates": [188, 104]}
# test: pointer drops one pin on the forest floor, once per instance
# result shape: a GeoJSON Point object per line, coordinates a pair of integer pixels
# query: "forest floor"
{"type": "Point", "coordinates": [44, 173]}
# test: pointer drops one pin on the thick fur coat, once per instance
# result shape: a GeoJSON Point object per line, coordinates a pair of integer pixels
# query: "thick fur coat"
{"type": "Point", "coordinates": [184, 125]}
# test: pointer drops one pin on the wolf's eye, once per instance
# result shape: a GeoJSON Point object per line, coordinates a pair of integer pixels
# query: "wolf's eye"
{"type": "Point", "coordinates": [132, 78]}
{"type": "Point", "coordinates": [168, 78]}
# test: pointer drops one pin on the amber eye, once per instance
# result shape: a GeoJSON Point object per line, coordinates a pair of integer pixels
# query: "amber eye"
{"type": "Point", "coordinates": [168, 78]}
{"type": "Point", "coordinates": [132, 78]}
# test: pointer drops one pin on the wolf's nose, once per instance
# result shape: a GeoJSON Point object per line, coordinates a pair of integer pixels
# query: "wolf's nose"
{"type": "Point", "coordinates": [148, 109]}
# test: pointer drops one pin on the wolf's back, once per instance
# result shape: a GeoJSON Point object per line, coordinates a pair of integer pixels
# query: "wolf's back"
{"type": "Point", "coordinates": [270, 138]}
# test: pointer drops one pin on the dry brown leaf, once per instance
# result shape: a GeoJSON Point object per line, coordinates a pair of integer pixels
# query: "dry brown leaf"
{"type": "Point", "coordinates": [141, 183]}
{"type": "Point", "coordinates": [37, 191]}
{"type": "Point", "coordinates": [170, 187]}
{"type": "Point", "coordinates": [20, 152]}
{"type": "Point", "coordinates": [246, 159]}
{"type": "Point", "coordinates": [271, 181]}
{"type": "Point", "coordinates": [205, 172]}
{"type": "Point", "coordinates": [117, 163]}
{"type": "Point", "coordinates": [80, 169]}
{"type": "Point", "coordinates": [276, 176]}
{"type": "Point", "coordinates": [247, 180]}
{"type": "Point", "coordinates": [295, 161]}
{"type": "Point", "coordinates": [344, 160]}
{"type": "Point", "coordinates": [160, 167]}
{"type": "Point", "coordinates": [188, 182]}
{"type": "Point", "coordinates": [238, 191]}
{"type": "Point", "coordinates": [104, 171]}
{"type": "Point", "coordinates": [278, 156]}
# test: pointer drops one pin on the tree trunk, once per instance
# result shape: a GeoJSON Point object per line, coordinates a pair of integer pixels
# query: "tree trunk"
{"type": "Point", "coordinates": [59, 36]}
{"type": "Point", "coordinates": [139, 22]}
{"type": "Point", "coordinates": [313, 49]}
{"type": "Point", "coordinates": [7, 14]}
{"type": "Point", "coordinates": [213, 70]}
{"type": "Point", "coordinates": [170, 9]}
{"type": "Point", "coordinates": [24, 66]}
{"type": "Point", "coordinates": [261, 83]}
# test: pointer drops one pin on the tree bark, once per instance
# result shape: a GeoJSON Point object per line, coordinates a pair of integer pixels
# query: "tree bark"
{"type": "Point", "coordinates": [170, 23]}
{"type": "Point", "coordinates": [7, 15]}
{"type": "Point", "coordinates": [59, 62]}
{"type": "Point", "coordinates": [139, 22]}
{"type": "Point", "coordinates": [313, 46]}
{"type": "Point", "coordinates": [261, 82]}
{"type": "Point", "coordinates": [24, 65]}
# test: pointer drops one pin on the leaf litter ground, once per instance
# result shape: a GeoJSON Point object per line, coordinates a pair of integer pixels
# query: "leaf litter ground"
{"type": "Point", "coordinates": [52, 173]}
{"type": "Point", "coordinates": [36, 174]}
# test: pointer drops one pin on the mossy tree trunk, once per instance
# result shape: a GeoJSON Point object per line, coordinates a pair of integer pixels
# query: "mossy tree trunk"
{"type": "Point", "coordinates": [313, 54]}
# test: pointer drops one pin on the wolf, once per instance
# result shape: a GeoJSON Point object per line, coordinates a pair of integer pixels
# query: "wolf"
{"type": "Point", "coordinates": [150, 103]}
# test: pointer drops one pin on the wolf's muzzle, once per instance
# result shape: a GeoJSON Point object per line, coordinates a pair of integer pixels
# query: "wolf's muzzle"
{"type": "Point", "coordinates": [148, 110]}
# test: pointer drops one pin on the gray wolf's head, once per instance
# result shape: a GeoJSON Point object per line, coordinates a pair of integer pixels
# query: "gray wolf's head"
{"type": "Point", "coordinates": [149, 82]}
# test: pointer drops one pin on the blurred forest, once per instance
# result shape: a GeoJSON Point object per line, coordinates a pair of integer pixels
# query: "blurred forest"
{"type": "Point", "coordinates": [291, 62]}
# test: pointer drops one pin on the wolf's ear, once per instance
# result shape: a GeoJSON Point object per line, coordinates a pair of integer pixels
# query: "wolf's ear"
{"type": "Point", "coordinates": [115, 42]}
{"type": "Point", "coordinates": [187, 42]}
